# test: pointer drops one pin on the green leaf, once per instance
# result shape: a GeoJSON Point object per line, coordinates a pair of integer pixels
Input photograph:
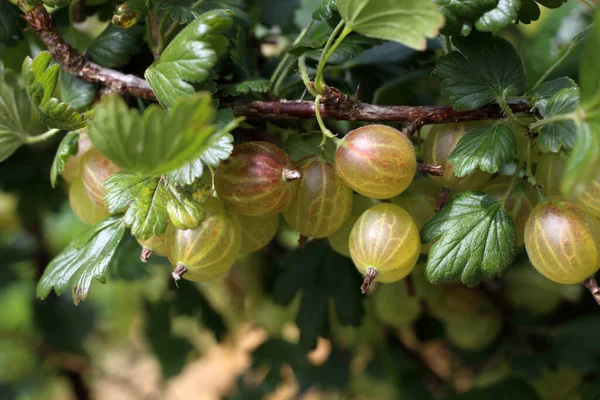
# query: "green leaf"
{"type": "Point", "coordinates": [243, 55]}
{"type": "Point", "coordinates": [560, 134]}
{"type": "Point", "coordinates": [87, 257]}
{"type": "Point", "coordinates": [487, 68]}
{"type": "Point", "coordinates": [486, 147]}
{"type": "Point", "coordinates": [529, 11]}
{"type": "Point", "coordinates": [351, 47]}
{"type": "Point", "coordinates": [325, 10]}
{"type": "Point", "coordinates": [67, 147]}
{"type": "Point", "coordinates": [12, 24]}
{"type": "Point", "coordinates": [15, 114]}
{"type": "Point", "coordinates": [511, 388]}
{"type": "Point", "coordinates": [114, 47]}
{"type": "Point", "coordinates": [590, 64]}
{"type": "Point", "coordinates": [408, 22]}
{"type": "Point", "coordinates": [172, 351]}
{"type": "Point", "coordinates": [40, 81]}
{"type": "Point", "coordinates": [219, 149]}
{"type": "Point", "coordinates": [322, 275]}
{"type": "Point", "coordinates": [150, 203]}
{"type": "Point", "coordinates": [181, 11]}
{"type": "Point", "coordinates": [584, 159]}
{"type": "Point", "coordinates": [77, 92]}
{"type": "Point", "coordinates": [156, 142]}
{"type": "Point", "coordinates": [552, 3]}
{"type": "Point", "coordinates": [460, 15]}
{"type": "Point", "coordinates": [495, 20]}
{"type": "Point", "coordinates": [475, 240]}
{"type": "Point", "coordinates": [253, 85]}
{"type": "Point", "coordinates": [539, 96]}
{"type": "Point", "coordinates": [189, 57]}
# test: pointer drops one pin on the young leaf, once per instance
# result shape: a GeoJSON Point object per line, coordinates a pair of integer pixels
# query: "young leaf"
{"type": "Point", "coordinates": [486, 147]}
{"type": "Point", "coordinates": [189, 57]}
{"type": "Point", "coordinates": [322, 275]}
{"type": "Point", "coordinates": [77, 92]}
{"type": "Point", "coordinates": [495, 20]}
{"type": "Point", "coordinates": [114, 47]}
{"type": "Point", "coordinates": [11, 24]}
{"type": "Point", "coordinates": [487, 68]}
{"type": "Point", "coordinates": [325, 10]}
{"type": "Point", "coordinates": [40, 81]}
{"type": "Point", "coordinates": [539, 96]}
{"type": "Point", "coordinates": [475, 240]}
{"type": "Point", "coordinates": [149, 204]}
{"type": "Point", "coordinates": [408, 22]}
{"type": "Point", "coordinates": [67, 147]}
{"type": "Point", "coordinates": [87, 257]}
{"type": "Point", "coordinates": [559, 134]}
{"type": "Point", "coordinates": [460, 15]}
{"type": "Point", "coordinates": [219, 149]}
{"type": "Point", "coordinates": [156, 142]}
{"type": "Point", "coordinates": [15, 114]}
{"type": "Point", "coordinates": [252, 85]}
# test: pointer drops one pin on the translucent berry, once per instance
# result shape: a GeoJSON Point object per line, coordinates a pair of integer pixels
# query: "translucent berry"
{"type": "Point", "coordinates": [339, 240]}
{"type": "Point", "coordinates": [155, 245]}
{"type": "Point", "coordinates": [550, 171]}
{"type": "Point", "coordinates": [257, 232]}
{"type": "Point", "coordinates": [95, 169]}
{"type": "Point", "coordinates": [83, 207]}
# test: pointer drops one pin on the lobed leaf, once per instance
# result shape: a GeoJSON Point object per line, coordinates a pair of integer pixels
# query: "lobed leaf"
{"type": "Point", "coordinates": [408, 22]}
{"type": "Point", "coordinates": [252, 85]}
{"type": "Point", "coordinates": [68, 146]}
{"type": "Point", "coordinates": [325, 10]}
{"type": "Point", "coordinates": [484, 68]}
{"type": "Point", "coordinates": [86, 258]}
{"type": "Point", "coordinates": [115, 46]}
{"type": "Point", "coordinates": [560, 134]}
{"type": "Point", "coordinates": [539, 96]}
{"type": "Point", "coordinates": [189, 57]}
{"type": "Point", "coordinates": [15, 114]}
{"type": "Point", "coordinates": [486, 147]}
{"type": "Point", "coordinates": [475, 240]}
{"type": "Point", "coordinates": [504, 14]}
{"type": "Point", "coordinates": [76, 92]}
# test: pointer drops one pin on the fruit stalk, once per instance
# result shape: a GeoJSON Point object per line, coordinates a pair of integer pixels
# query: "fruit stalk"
{"type": "Point", "coordinates": [593, 287]}
{"type": "Point", "coordinates": [178, 273]}
{"type": "Point", "coordinates": [369, 278]}
{"type": "Point", "coordinates": [146, 254]}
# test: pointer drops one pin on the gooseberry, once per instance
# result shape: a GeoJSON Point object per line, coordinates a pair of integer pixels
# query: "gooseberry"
{"type": "Point", "coordinates": [550, 171]}
{"type": "Point", "coordinates": [155, 245]}
{"type": "Point", "coordinates": [72, 167]}
{"type": "Point", "coordinates": [95, 169]}
{"type": "Point", "coordinates": [527, 289]}
{"type": "Point", "coordinates": [256, 179]}
{"type": "Point", "coordinates": [208, 251]}
{"type": "Point", "coordinates": [384, 244]}
{"type": "Point", "coordinates": [377, 161]}
{"type": "Point", "coordinates": [519, 204]}
{"type": "Point", "coordinates": [322, 202]}
{"type": "Point", "coordinates": [339, 240]}
{"type": "Point", "coordinates": [86, 210]}
{"type": "Point", "coordinates": [257, 232]}
{"type": "Point", "coordinates": [474, 333]}
{"type": "Point", "coordinates": [590, 198]}
{"type": "Point", "coordinates": [419, 206]}
{"type": "Point", "coordinates": [441, 141]}
{"type": "Point", "coordinates": [394, 306]}
{"type": "Point", "coordinates": [563, 241]}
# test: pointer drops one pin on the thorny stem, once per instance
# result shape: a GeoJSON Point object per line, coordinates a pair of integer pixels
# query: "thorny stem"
{"type": "Point", "coordinates": [43, 137]}
{"type": "Point", "coordinates": [369, 278]}
{"type": "Point", "coordinates": [146, 254]}
{"type": "Point", "coordinates": [593, 287]}
{"type": "Point", "coordinates": [507, 110]}
{"type": "Point", "coordinates": [180, 270]}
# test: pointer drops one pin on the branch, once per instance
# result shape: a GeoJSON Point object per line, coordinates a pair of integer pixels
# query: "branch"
{"type": "Point", "coordinates": [76, 64]}
{"type": "Point", "coordinates": [336, 106]}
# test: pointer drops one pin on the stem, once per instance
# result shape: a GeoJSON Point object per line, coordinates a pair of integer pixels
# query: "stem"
{"type": "Point", "coordinates": [304, 75]}
{"type": "Point", "coordinates": [515, 177]}
{"type": "Point", "coordinates": [593, 287]}
{"type": "Point", "coordinates": [149, 36]}
{"type": "Point", "coordinates": [562, 58]}
{"type": "Point", "coordinates": [40, 138]}
{"type": "Point", "coordinates": [504, 105]}
{"type": "Point", "coordinates": [555, 118]}
{"type": "Point", "coordinates": [329, 48]}
{"type": "Point", "coordinates": [286, 58]}
{"type": "Point", "coordinates": [326, 132]}
{"type": "Point", "coordinates": [369, 278]}
{"type": "Point", "coordinates": [448, 43]}
{"type": "Point", "coordinates": [589, 4]}
{"type": "Point", "coordinates": [161, 33]}
{"type": "Point", "coordinates": [281, 78]}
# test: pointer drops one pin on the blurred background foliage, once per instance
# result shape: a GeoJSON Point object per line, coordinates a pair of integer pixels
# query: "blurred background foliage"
{"type": "Point", "coordinates": [246, 335]}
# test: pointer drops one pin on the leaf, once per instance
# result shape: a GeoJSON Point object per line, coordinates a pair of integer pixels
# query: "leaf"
{"type": "Point", "coordinates": [322, 275]}
{"type": "Point", "coordinates": [243, 55]}
{"type": "Point", "coordinates": [253, 85]}
{"type": "Point", "coordinates": [68, 146]}
{"type": "Point", "coordinates": [351, 47]}
{"type": "Point", "coordinates": [559, 134]}
{"type": "Point", "coordinates": [114, 47]}
{"type": "Point", "coordinates": [219, 149]}
{"type": "Point", "coordinates": [12, 24]}
{"type": "Point", "coordinates": [590, 64]}
{"type": "Point", "coordinates": [87, 257]}
{"type": "Point", "coordinates": [487, 68]}
{"type": "Point", "coordinates": [77, 92]}
{"type": "Point", "coordinates": [15, 114]}
{"type": "Point", "coordinates": [408, 22]}
{"type": "Point", "coordinates": [475, 240]}
{"type": "Point", "coordinates": [181, 11]}
{"type": "Point", "coordinates": [325, 10]}
{"type": "Point", "coordinates": [551, 3]}
{"type": "Point", "coordinates": [156, 142]}
{"type": "Point", "coordinates": [529, 11]}
{"type": "Point", "coordinates": [40, 81]}
{"type": "Point", "coordinates": [460, 15]}
{"type": "Point", "coordinates": [486, 147]}
{"type": "Point", "coordinates": [171, 351]}
{"type": "Point", "coordinates": [495, 20]}
{"type": "Point", "coordinates": [540, 95]}
{"type": "Point", "coordinates": [189, 57]}
{"type": "Point", "coordinates": [582, 166]}
{"type": "Point", "coordinates": [149, 204]}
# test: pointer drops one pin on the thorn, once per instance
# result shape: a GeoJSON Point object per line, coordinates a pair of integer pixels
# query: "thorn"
{"type": "Point", "coordinates": [442, 198]}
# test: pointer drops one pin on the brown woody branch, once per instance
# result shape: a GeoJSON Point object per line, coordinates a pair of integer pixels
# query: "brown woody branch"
{"type": "Point", "coordinates": [76, 64]}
